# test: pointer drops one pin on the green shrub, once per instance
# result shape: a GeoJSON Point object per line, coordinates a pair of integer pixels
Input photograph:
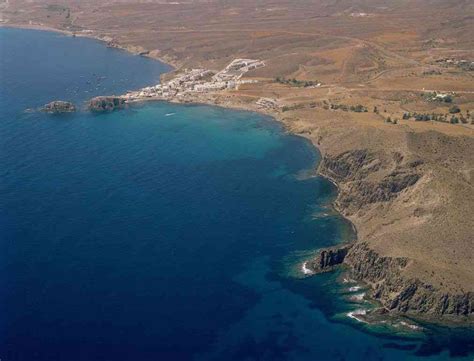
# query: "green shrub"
{"type": "Point", "coordinates": [454, 109]}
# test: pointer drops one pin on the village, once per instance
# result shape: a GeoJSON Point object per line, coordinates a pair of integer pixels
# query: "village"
{"type": "Point", "coordinates": [198, 81]}
{"type": "Point", "coordinates": [186, 86]}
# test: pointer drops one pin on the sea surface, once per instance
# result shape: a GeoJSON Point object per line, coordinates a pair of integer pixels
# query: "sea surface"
{"type": "Point", "coordinates": [165, 232]}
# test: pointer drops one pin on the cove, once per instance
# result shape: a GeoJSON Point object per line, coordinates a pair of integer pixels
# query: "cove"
{"type": "Point", "coordinates": [164, 231]}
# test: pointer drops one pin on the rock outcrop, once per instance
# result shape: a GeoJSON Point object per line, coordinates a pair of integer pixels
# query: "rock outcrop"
{"type": "Point", "coordinates": [399, 294]}
{"type": "Point", "coordinates": [328, 258]}
{"type": "Point", "coordinates": [370, 185]}
{"type": "Point", "coordinates": [59, 106]}
{"type": "Point", "coordinates": [355, 167]}
{"type": "Point", "coordinates": [106, 103]}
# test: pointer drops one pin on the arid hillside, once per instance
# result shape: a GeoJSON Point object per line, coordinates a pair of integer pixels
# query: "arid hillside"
{"type": "Point", "coordinates": [331, 40]}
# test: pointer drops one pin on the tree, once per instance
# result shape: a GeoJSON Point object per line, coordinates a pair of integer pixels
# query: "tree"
{"type": "Point", "coordinates": [454, 109]}
{"type": "Point", "coordinates": [359, 108]}
{"type": "Point", "coordinates": [448, 99]}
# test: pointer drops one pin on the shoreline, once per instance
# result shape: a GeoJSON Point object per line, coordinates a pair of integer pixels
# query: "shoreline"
{"type": "Point", "coordinates": [73, 34]}
{"type": "Point", "coordinates": [274, 115]}
{"type": "Point", "coordinates": [235, 106]}
{"type": "Point", "coordinates": [213, 100]}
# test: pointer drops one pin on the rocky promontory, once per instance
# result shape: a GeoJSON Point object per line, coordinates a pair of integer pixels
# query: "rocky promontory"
{"type": "Point", "coordinates": [328, 258]}
{"type": "Point", "coordinates": [106, 103]}
{"type": "Point", "coordinates": [407, 295]}
{"type": "Point", "coordinates": [59, 106]}
{"type": "Point", "coordinates": [397, 188]}
{"type": "Point", "coordinates": [396, 293]}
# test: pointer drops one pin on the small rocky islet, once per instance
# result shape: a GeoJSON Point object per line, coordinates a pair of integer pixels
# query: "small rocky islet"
{"type": "Point", "coordinates": [100, 104]}
{"type": "Point", "coordinates": [59, 106]}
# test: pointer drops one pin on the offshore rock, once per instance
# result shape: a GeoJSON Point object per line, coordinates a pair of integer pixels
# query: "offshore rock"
{"type": "Point", "coordinates": [328, 258]}
{"type": "Point", "coordinates": [59, 106]}
{"type": "Point", "coordinates": [106, 103]}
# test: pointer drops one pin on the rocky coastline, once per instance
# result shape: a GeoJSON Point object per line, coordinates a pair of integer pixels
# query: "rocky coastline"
{"type": "Point", "coordinates": [352, 172]}
{"type": "Point", "coordinates": [396, 294]}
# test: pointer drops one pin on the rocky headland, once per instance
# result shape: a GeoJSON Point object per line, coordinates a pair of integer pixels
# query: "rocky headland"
{"type": "Point", "coordinates": [396, 293]}
{"type": "Point", "coordinates": [385, 194]}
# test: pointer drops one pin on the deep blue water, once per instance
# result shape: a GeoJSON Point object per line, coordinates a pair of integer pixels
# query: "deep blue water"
{"type": "Point", "coordinates": [163, 232]}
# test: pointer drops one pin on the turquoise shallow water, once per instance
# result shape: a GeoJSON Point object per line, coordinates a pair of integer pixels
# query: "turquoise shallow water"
{"type": "Point", "coordinates": [163, 232]}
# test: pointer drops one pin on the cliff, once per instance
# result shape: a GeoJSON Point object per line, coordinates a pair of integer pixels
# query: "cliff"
{"type": "Point", "coordinates": [402, 294]}
{"type": "Point", "coordinates": [408, 251]}
{"type": "Point", "coordinates": [328, 259]}
{"type": "Point", "coordinates": [356, 166]}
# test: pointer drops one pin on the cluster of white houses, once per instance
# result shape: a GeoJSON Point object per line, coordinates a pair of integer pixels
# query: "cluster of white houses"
{"type": "Point", "coordinates": [267, 103]}
{"type": "Point", "coordinates": [460, 63]}
{"type": "Point", "coordinates": [199, 81]}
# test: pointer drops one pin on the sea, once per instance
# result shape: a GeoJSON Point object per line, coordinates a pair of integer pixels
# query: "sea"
{"type": "Point", "coordinates": [166, 231]}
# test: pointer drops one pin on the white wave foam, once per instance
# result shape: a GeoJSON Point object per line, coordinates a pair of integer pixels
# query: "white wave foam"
{"type": "Point", "coordinates": [355, 313]}
{"type": "Point", "coordinates": [409, 325]}
{"type": "Point", "coordinates": [306, 270]}
{"type": "Point", "coordinates": [354, 288]}
{"type": "Point", "coordinates": [358, 297]}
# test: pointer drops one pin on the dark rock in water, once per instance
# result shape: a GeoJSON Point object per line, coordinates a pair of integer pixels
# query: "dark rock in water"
{"type": "Point", "coordinates": [106, 103]}
{"type": "Point", "coordinates": [328, 258]}
{"type": "Point", "coordinates": [59, 106]}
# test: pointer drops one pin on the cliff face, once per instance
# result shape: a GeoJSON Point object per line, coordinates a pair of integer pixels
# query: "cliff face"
{"type": "Point", "coordinates": [389, 196]}
{"type": "Point", "coordinates": [328, 259]}
{"type": "Point", "coordinates": [356, 167]}
{"type": "Point", "coordinates": [400, 294]}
